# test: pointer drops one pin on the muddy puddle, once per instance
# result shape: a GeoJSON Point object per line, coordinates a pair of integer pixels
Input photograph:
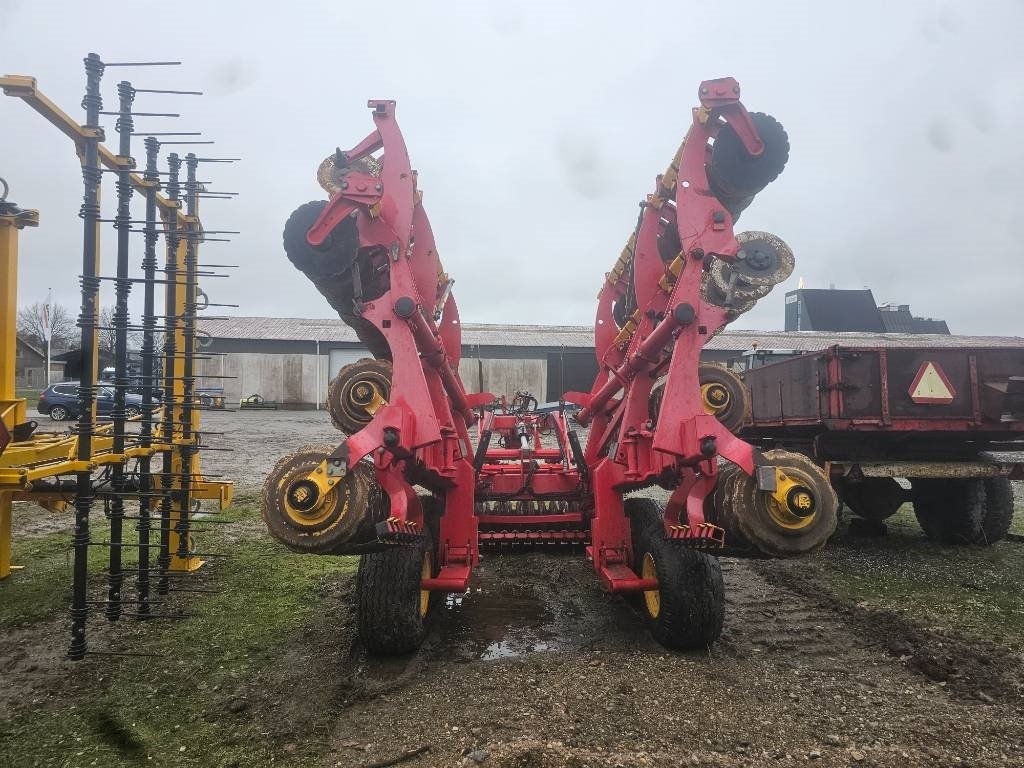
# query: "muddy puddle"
{"type": "Point", "coordinates": [520, 605]}
{"type": "Point", "coordinates": [502, 621]}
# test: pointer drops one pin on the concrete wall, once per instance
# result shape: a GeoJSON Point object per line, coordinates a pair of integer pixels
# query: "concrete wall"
{"type": "Point", "coordinates": [292, 374]}
{"type": "Point", "coordinates": [289, 379]}
{"type": "Point", "coordinates": [504, 377]}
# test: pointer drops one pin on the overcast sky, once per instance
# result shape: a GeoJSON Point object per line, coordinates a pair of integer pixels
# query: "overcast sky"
{"type": "Point", "coordinates": [537, 127]}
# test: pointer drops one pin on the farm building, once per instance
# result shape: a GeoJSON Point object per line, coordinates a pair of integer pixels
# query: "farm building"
{"type": "Point", "coordinates": [291, 360]}
{"type": "Point", "coordinates": [30, 366]}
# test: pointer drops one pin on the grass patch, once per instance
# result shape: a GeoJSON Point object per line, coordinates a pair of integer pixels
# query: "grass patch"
{"type": "Point", "coordinates": [31, 394]}
{"type": "Point", "coordinates": [43, 586]}
{"type": "Point", "coordinates": [975, 590]}
{"type": "Point", "coordinates": [175, 708]}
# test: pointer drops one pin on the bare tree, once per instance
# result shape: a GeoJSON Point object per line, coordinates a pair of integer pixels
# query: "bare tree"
{"type": "Point", "coordinates": [108, 336]}
{"type": "Point", "coordinates": [31, 325]}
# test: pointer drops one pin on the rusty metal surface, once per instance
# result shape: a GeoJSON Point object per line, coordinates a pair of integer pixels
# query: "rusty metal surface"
{"type": "Point", "coordinates": [948, 469]}
{"type": "Point", "coordinates": [860, 388]}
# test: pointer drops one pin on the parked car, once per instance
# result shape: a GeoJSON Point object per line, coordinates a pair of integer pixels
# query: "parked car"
{"type": "Point", "coordinates": [60, 401]}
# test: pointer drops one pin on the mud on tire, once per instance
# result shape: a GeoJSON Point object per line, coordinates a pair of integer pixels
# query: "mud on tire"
{"type": "Point", "coordinates": [751, 512]}
{"type": "Point", "coordinates": [687, 610]}
{"type": "Point", "coordinates": [351, 391]}
{"type": "Point", "coordinates": [393, 611]}
{"type": "Point", "coordinates": [326, 527]}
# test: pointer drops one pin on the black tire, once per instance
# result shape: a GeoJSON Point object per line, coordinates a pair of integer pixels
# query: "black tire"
{"type": "Point", "coordinates": [644, 514]}
{"type": "Point", "coordinates": [963, 510]}
{"type": "Point", "coordinates": [329, 267]}
{"type": "Point", "coordinates": [949, 510]}
{"type": "Point", "coordinates": [59, 413]}
{"type": "Point", "coordinates": [999, 508]}
{"type": "Point", "coordinates": [334, 257]}
{"type": "Point", "coordinates": [690, 599]}
{"type": "Point", "coordinates": [132, 411]}
{"type": "Point", "coordinates": [391, 616]}
{"type": "Point", "coordinates": [735, 176]}
{"type": "Point", "coordinates": [873, 498]}
{"type": "Point", "coordinates": [721, 512]}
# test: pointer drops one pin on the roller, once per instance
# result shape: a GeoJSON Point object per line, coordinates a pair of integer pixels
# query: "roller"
{"type": "Point", "coordinates": [341, 522]}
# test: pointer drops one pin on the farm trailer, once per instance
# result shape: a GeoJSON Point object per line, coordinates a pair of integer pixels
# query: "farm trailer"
{"type": "Point", "coordinates": [946, 419]}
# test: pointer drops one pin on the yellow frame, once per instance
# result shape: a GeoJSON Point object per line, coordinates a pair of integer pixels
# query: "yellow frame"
{"type": "Point", "coordinates": [50, 454]}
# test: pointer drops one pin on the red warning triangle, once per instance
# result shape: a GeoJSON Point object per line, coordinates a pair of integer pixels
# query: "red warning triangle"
{"type": "Point", "coordinates": [930, 386]}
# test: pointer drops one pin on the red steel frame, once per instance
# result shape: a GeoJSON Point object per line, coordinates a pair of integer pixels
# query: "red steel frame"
{"type": "Point", "coordinates": [421, 436]}
{"type": "Point", "coordinates": [625, 450]}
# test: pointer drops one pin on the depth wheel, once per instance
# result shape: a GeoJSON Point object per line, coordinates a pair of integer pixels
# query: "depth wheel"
{"type": "Point", "coordinates": [873, 498]}
{"type": "Point", "coordinates": [356, 392]}
{"type": "Point", "coordinates": [393, 607]}
{"type": "Point", "coordinates": [302, 518]}
{"type": "Point", "coordinates": [797, 519]}
{"type": "Point", "coordinates": [723, 395]}
{"type": "Point", "coordinates": [687, 610]}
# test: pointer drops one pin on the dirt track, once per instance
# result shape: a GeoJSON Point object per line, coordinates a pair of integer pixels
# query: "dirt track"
{"type": "Point", "coordinates": [550, 671]}
{"type": "Point", "coordinates": [538, 667]}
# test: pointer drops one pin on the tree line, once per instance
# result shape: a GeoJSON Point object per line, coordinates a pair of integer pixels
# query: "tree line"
{"type": "Point", "coordinates": [64, 332]}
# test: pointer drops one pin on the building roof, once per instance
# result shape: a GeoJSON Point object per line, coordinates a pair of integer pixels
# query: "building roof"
{"type": "Point", "coordinates": [582, 336]}
{"type": "Point", "coordinates": [898, 319]}
{"type": "Point", "coordinates": [32, 347]}
{"type": "Point", "coordinates": [832, 310]}
{"type": "Point", "coordinates": [335, 330]}
{"type": "Point", "coordinates": [812, 341]}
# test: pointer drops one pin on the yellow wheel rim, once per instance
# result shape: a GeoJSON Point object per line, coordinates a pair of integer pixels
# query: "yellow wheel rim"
{"type": "Point", "coordinates": [715, 397]}
{"type": "Point", "coordinates": [362, 394]}
{"type": "Point", "coordinates": [297, 494]}
{"type": "Point", "coordinates": [425, 573]}
{"type": "Point", "coordinates": [793, 505]}
{"type": "Point", "coordinates": [652, 598]}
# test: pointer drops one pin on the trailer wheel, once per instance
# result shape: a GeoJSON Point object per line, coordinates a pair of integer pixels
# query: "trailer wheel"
{"type": "Point", "coordinates": [393, 608]}
{"type": "Point", "coordinates": [687, 609]}
{"type": "Point", "coordinates": [998, 509]}
{"type": "Point", "coordinates": [797, 524]}
{"type": "Point", "coordinates": [355, 390]}
{"type": "Point", "coordinates": [874, 498]}
{"type": "Point", "coordinates": [949, 510]}
{"type": "Point", "coordinates": [303, 519]}
{"type": "Point", "coordinates": [963, 511]}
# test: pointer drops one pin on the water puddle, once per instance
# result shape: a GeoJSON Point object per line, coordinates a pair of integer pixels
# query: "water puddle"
{"type": "Point", "coordinates": [502, 622]}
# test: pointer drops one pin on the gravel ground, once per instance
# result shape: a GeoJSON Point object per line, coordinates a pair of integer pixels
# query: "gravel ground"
{"type": "Point", "coordinates": [538, 667]}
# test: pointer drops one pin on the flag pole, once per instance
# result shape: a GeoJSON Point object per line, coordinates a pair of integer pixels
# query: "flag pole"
{"type": "Point", "coordinates": [47, 332]}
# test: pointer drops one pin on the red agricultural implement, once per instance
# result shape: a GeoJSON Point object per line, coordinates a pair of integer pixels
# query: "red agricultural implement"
{"type": "Point", "coordinates": [656, 416]}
